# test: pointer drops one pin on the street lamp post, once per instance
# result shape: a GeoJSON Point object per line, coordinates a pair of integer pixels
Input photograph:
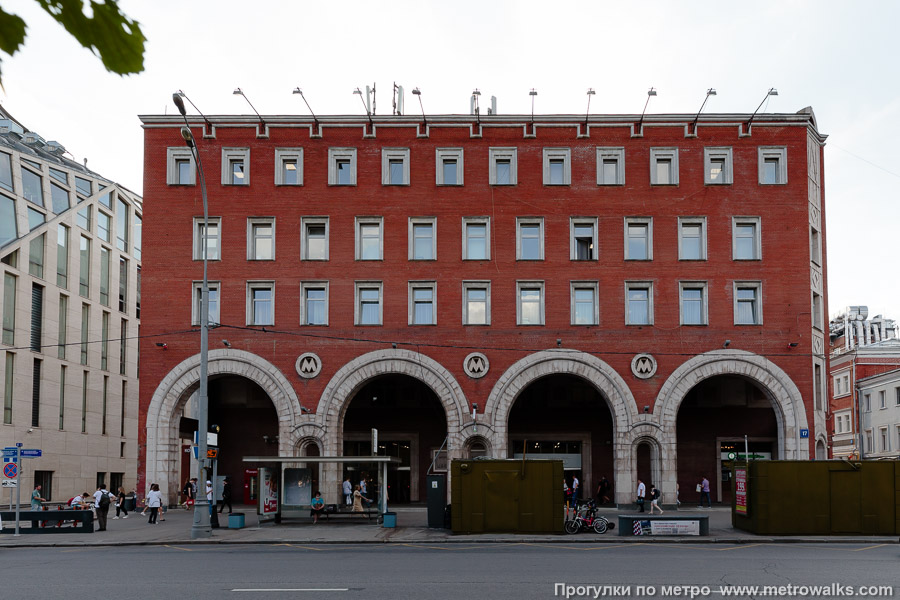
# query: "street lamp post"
{"type": "Point", "coordinates": [201, 526]}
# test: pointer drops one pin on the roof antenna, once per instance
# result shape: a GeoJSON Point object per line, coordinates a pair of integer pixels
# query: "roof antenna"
{"type": "Point", "coordinates": [397, 100]}
{"type": "Point", "coordinates": [590, 93]}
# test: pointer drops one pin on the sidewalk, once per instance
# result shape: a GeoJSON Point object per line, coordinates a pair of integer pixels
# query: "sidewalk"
{"type": "Point", "coordinates": [411, 529]}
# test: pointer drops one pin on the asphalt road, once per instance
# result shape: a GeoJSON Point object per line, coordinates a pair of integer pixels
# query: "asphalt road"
{"type": "Point", "coordinates": [426, 572]}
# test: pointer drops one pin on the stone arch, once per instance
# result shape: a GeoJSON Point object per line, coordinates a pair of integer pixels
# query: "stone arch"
{"type": "Point", "coordinates": [821, 448]}
{"type": "Point", "coordinates": [475, 440]}
{"type": "Point", "coordinates": [162, 450]}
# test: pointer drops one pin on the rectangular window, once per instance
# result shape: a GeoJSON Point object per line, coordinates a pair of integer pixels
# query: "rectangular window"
{"type": "Point", "coordinates": [772, 165]}
{"type": "Point", "coordinates": [122, 416]}
{"type": "Point", "coordinates": [881, 399]}
{"type": "Point", "coordinates": [123, 345]}
{"type": "Point", "coordinates": [691, 238]}
{"type": "Point", "coordinates": [746, 238]}
{"type": "Point", "coordinates": [84, 397]}
{"type": "Point", "coordinates": [235, 166]}
{"type": "Point", "coordinates": [85, 332]}
{"type": "Point", "coordinates": [261, 303]}
{"type": "Point", "coordinates": [288, 166]}
{"type": "Point", "coordinates": [529, 238]}
{"type": "Point", "coordinates": [60, 176]}
{"type": "Point", "coordinates": [123, 285]}
{"type": "Point", "coordinates": [395, 166]}
{"type": "Point", "coordinates": [583, 240]}
{"type": "Point", "coordinates": [693, 303]}
{"type": "Point", "coordinates": [314, 307]}
{"type": "Point", "coordinates": [9, 376]}
{"type": "Point", "coordinates": [476, 303]}
{"type": "Point", "coordinates": [638, 238]}
{"type": "Point", "coordinates": [342, 166]}
{"type": "Point", "coordinates": [83, 187]}
{"type": "Point", "coordinates": [868, 402]}
{"type": "Point", "coordinates": [747, 303]}
{"type": "Point", "coordinates": [59, 197]}
{"type": "Point", "coordinates": [122, 225]}
{"type": "Point", "coordinates": [717, 166]}
{"type": "Point", "coordinates": [63, 325]}
{"type": "Point", "coordinates": [37, 316]}
{"type": "Point", "coordinates": [62, 397]}
{"type": "Point", "coordinates": [502, 168]}
{"type": "Point", "coordinates": [6, 178]}
{"type": "Point", "coordinates": [213, 287]}
{"type": "Point", "coordinates": [368, 303]}
{"type": "Point", "coordinates": [817, 386]}
{"type": "Point", "coordinates": [369, 239]}
{"type": "Point", "coordinates": [138, 236]}
{"type": "Point", "coordinates": [180, 168]}
{"type": "Point", "coordinates": [638, 303]}
{"type": "Point", "coordinates": [104, 226]}
{"type": "Point", "coordinates": [261, 239]}
{"type": "Point", "coordinates": [36, 394]}
{"type": "Point", "coordinates": [476, 238]}
{"type": "Point", "coordinates": [33, 187]}
{"type": "Point", "coordinates": [35, 219]}
{"type": "Point", "coordinates": [62, 256]}
{"type": "Point", "coordinates": [212, 238]}
{"type": "Point", "coordinates": [585, 308]}
{"type": "Point", "coordinates": [897, 396]}
{"type": "Point", "coordinates": [422, 303]}
{"type": "Point", "coordinates": [104, 340]}
{"type": "Point", "coordinates": [104, 410]}
{"type": "Point", "coordinates": [663, 166]}
{"type": "Point", "coordinates": [8, 228]}
{"type": "Point", "coordinates": [611, 166]}
{"type": "Point", "coordinates": [104, 276]}
{"type": "Point", "coordinates": [137, 292]}
{"type": "Point", "coordinates": [83, 217]}
{"type": "Point", "coordinates": [557, 166]}
{"type": "Point", "coordinates": [84, 263]}
{"type": "Point", "coordinates": [314, 242]}
{"type": "Point", "coordinates": [36, 256]}
{"type": "Point", "coordinates": [817, 312]}
{"type": "Point", "coordinates": [9, 309]}
{"type": "Point", "coordinates": [449, 170]}
{"type": "Point", "coordinates": [530, 305]}
{"type": "Point", "coordinates": [815, 248]}
{"type": "Point", "coordinates": [422, 238]}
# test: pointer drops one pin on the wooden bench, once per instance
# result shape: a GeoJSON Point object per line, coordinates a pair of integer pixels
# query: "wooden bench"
{"type": "Point", "coordinates": [347, 511]}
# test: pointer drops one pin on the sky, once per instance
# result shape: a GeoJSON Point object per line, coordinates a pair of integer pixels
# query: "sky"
{"type": "Point", "coordinates": [837, 57]}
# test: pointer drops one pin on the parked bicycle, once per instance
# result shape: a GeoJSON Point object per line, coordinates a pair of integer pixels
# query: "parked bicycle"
{"type": "Point", "coordinates": [587, 519]}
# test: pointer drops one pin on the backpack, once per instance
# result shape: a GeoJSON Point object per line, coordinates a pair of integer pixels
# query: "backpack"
{"type": "Point", "coordinates": [104, 499]}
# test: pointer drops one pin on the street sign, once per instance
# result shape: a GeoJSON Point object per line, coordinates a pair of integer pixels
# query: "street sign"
{"type": "Point", "coordinates": [7, 459]}
{"type": "Point", "coordinates": [10, 483]}
{"type": "Point", "coordinates": [9, 451]}
{"type": "Point", "coordinates": [804, 433]}
{"type": "Point", "coordinates": [10, 470]}
{"type": "Point", "coordinates": [30, 452]}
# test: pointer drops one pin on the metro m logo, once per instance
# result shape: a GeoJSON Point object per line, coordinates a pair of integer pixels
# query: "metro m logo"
{"type": "Point", "coordinates": [308, 365]}
{"type": "Point", "coordinates": [643, 366]}
{"type": "Point", "coordinates": [476, 365]}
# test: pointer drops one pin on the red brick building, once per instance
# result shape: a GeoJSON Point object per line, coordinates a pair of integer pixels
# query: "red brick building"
{"type": "Point", "coordinates": [634, 298]}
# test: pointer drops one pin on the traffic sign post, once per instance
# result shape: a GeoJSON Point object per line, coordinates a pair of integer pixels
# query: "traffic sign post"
{"type": "Point", "coordinates": [18, 488]}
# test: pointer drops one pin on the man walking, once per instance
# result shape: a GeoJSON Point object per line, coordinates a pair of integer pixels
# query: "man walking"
{"type": "Point", "coordinates": [641, 494]}
{"type": "Point", "coordinates": [36, 501]}
{"type": "Point", "coordinates": [102, 500]}
{"type": "Point", "coordinates": [226, 496]}
{"type": "Point", "coordinates": [347, 488]}
{"type": "Point", "coordinates": [704, 493]}
{"type": "Point", "coordinates": [576, 489]}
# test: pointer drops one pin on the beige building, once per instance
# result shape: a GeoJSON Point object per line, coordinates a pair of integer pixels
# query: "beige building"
{"type": "Point", "coordinates": [70, 258]}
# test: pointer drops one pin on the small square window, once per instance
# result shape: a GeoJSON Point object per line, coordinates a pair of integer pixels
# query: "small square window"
{"type": "Point", "coordinates": [369, 238]}
{"type": "Point", "coordinates": [638, 303]}
{"type": "Point", "coordinates": [530, 305]}
{"type": "Point", "coordinates": [503, 169]}
{"type": "Point", "coordinates": [476, 243]}
{"type": "Point", "coordinates": [314, 303]}
{"type": "Point", "coordinates": [261, 238]}
{"type": "Point", "coordinates": [235, 166]}
{"type": "Point", "coordinates": [213, 302]}
{"type": "Point", "coordinates": [395, 166]}
{"type": "Point", "coordinates": [691, 238]}
{"type": "Point", "coordinates": [422, 302]}
{"type": "Point", "coordinates": [342, 166]}
{"type": "Point", "coordinates": [261, 303]}
{"type": "Point", "coordinates": [638, 238]}
{"type": "Point", "coordinates": [213, 238]}
{"type": "Point", "coordinates": [694, 308]}
{"type": "Point", "coordinates": [583, 242]}
{"type": "Point", "coordinates": [557, 166]}
{"type": "Point", "coordinates": [772, 166]}
{"type": "Point", "coordinates": [747, 303]}
{"type": "Point", "coordinates": [717, 169]}
{"type": "Point", "coordinates": [663, 166]}
{"type": "Point", "coordinates": [584, 306]}
{"type": "Point", "coordinates": [180, 168]}
{"type": "Point", "coordinates": [368, 303]}
{"type": "Point", "coordinates": [746, 238]}
{"type": "Point", "coordinates": [530, 238]}
{"type": "Point", "coordinates": [610, 166]}
{"type": "Point", "coordinates": [314, 238]}
{"type": "Point", "coordinates": [449, 170]}
{"type": "Point", "coordinates": [288, 166]}
{"type": "Point", "coordinates": [476, 308]}
{"type": "Point", "coordinates": [422, 238]}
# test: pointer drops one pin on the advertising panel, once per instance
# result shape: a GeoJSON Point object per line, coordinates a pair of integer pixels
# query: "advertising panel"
{"type": "Point", "coordinates": [740, 490]}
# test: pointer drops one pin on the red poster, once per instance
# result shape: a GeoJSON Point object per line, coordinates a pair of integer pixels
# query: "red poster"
{"type": "Point", "coordinates": [740, 490]}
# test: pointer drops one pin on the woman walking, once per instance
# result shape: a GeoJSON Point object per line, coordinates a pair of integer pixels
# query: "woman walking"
{"type": "Point", "coordinates": [120, 503]}
{"type": "Point", "coordinates": [358, 500]}
{"type": "Point", "coordinates": [154, 501]}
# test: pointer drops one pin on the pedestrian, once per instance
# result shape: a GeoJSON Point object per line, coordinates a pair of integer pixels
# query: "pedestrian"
{"type": "Point", "coordinates": [36, 503]}
{"type": "Point", "coordinates": [209, 497]}
{"type": "Point", "coordinates": [704, 492]}
{"type": "Point", "coordinates": [120, 503]}
{"type": "Point", "coordinates": [154, 501]}
{"type": "Point", "coordinates": [654, 499]}
{"type": "Point", "coordinates": [188, 493]}
{"type": "Point", "coordinates": [603, 490]}
{"type": "Point", "coordinates": [567, 495]}
{"type": "Point", "coordinates": [576, 489]}
{"type": "Point", "coordinates": [316, 507]}
{"type": "Point", "coordinates": [677, 495]}
{"type": "Point", "coordinates": [347, 488]}
{"type": "Point", "coordinates": [226, 495]}
{"type": "Point", "coordinates": [641, 494]}
{"type": "Point", "coordinates": [358, 500]}
{"type": "Point", "coordinates": [102, 500]}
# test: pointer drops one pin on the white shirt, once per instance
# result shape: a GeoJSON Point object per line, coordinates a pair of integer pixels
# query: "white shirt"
{"type": "Point", "coordinates": [348, 488]}
{"type": "Point", "coordinates": [574, 483]}
{"type": "Point", "coordinates": [154, 499]}
{"type": "Point", "coordinates": [99, 493]}
{"type": "Point", "coordinates": [642, 490]}
{"type": "Point", "coordinates": [209, 492]}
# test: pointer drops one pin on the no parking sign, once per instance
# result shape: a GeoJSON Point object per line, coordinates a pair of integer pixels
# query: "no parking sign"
{"type": "Point", "coordinates": [10, 470]}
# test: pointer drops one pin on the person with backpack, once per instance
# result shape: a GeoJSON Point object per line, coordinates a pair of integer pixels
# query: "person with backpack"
{"type": "Point", "coordinates": [654, 499]}
{"type": "Point", "coordinates": [102, 500]}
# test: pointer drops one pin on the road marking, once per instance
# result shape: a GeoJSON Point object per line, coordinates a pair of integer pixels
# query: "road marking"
{"type": "Point", "coordinates": [737, 547]}
{"type": "Point", "coordinates": [868, 548]}
{"type": "Point", "coordinates": [304, 547]}
{"type": "Point", "coordinates": [177, 548]}
{"type": "Point", "coordinates": [603, 547]}
{"type": "Point", "coordinates": [292, 590]}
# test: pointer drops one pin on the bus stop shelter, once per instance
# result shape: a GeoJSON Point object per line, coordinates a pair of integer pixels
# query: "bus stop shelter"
{"type": "Point", "coordinates": [288, 487]}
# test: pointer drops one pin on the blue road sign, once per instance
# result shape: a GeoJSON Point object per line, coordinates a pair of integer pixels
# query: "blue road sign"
{"type": "Point", "coordinates": [10, 459]}
{"type": "Point", "coordinates": [30, 452]}
{"type": "Point", "coordinates": [10, 470]}
{"type": "Point", "coordinates": [9, 451]}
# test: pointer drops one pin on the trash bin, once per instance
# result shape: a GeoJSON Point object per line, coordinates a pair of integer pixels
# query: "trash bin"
{"type": "Point", "coordinates": [390, 520]}
{"type": "Point", "coordinates": [129, 503]}
{"type": "Point", "coordinates": [236, 520]}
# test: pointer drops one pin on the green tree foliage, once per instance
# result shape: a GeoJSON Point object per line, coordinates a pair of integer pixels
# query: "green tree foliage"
{"type": "Point", "coordinates": [99, 26]}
